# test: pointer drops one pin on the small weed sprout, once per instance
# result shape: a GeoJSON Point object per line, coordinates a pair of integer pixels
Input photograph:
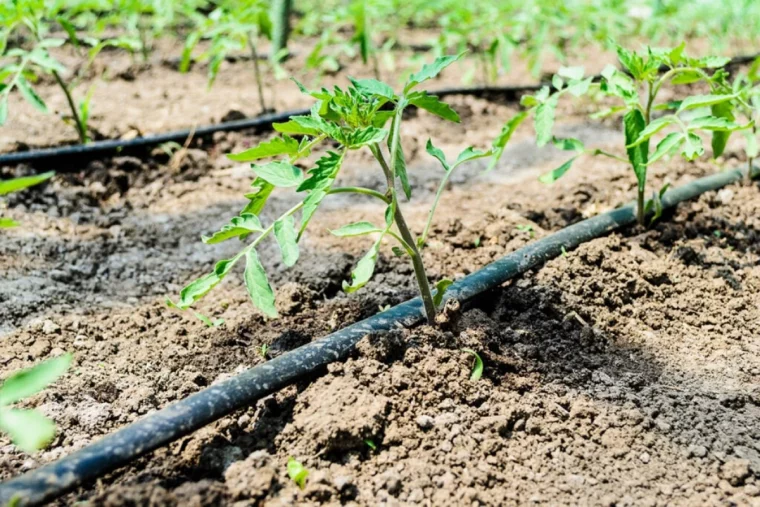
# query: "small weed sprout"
{"type": "Point", "coordinates": [477, 365]}
{"type": "Point", "coordinates": [297, 472]}
{"type": "Point", "coordinates": [526, 228]}
{"type": "Point", "coordinates": [366, 116]}
{"type": "Point", "coordinates": [371, 444]}
{"type": "Point", "coordinates": [29, 429]}
{"type": "Point", "coordinates": [263, 351]}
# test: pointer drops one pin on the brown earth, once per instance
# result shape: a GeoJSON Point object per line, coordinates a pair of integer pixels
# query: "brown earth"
{"type": "Point", "coordinates": [626, 372]}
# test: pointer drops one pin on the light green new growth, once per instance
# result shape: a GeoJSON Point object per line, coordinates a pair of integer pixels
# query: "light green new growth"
{"type": "Point", "coordinates": [297, 472]}
{"type": "Point", "coordinates": [477, 366]}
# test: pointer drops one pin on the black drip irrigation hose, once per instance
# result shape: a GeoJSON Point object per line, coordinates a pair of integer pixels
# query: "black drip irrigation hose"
{"type": "Point", "coordinates": [195, 411]}
{"type": "Point", "coordinates": [82, 153]}
{"type": "Point", "coordinates": [46, 158]}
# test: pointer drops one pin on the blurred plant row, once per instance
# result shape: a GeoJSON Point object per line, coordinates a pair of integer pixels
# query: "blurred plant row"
{"type": "Point", "coordinates": [494, 33]}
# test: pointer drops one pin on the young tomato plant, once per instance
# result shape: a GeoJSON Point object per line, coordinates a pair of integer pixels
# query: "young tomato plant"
{"type": "Point", "coordinates": [29, 429]}
{"type": "Point", "coordinates": [232, 26]}
{"type": "Point", "coordinates": [637, 88]}
{"type": "Point", "coordinates": [22, 66]}
{"type": "Point", "coordinates": [366, 116]}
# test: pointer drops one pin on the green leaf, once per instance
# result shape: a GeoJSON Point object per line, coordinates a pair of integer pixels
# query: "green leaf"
{"type": "Point", "coordinates": [318, 183]}
{"type": "Point", "coordinates": [363, 270]}
{"type": "Point", "coordinates": [692, 147]}
{"type": "Point", "coordinates": [366, 136]}
{"type": "Point", "coordinates": [286, 235]}
{"type": "Point", "coordinates": [284, 145]}
{"type": "Point", "coordinates": [545, 121]}
{"type": "Point", "coordinates": [714, 123]}
{"type": "Point", "coordinates": [3, 110]}
{"type": "Point", "coordinates": [572, 73]}
{"type": "Point", "coordinates": [279, 173]}
{"type": "Point", "coordinates": [687, 77]}
{"type": "Point", "coordinates": [7, 223]}
{"type": "Point", "coordinates": [25, 383]}
{"type": "Point", "coordinates": [634, 125]}
{"type": "Point", "coordinates": [262, 189]}
{"type": "Point", "coordinates": [667, 145]}
{"type": "Point", "coordinates": [30, 95]}
{"type": "Point", "coordinates": [430, 70]}
{"type": "Point", "coordinates": [651, 129]}
{"type": "Point", "coordinates": [373, 87]}
{"type": "Point", "coordinates": [355, 229]}
{"type": "Point", "coordinates": [568, 144]}
{"type": "Point", "coordinates": [504, 136]}
{"type": "Point", "coordinates": [297, 472]}
{"type": "Point", "coordinates": [751, 147]}
{"type": "Point", "coordinates": [437, 153]}
{"type": "Point", "coordinates": [434, 105]}
{"type": "Point", "coordinates": [29, 430]}
{"type": "Point", "coordinates": [293, 127]}
{"type": "Point", "coordinates": [696, 101]}
{"type": "Point", "coordinates": [440, 291]}
{"type": "Point", "coordinates": [242, 225]}
{"type": "Point", "coordinates": [557, 82]}
{"type": "Point", "coordinates": [470, 153]}
{"type": "Point", "coordinates": [710, 62]}
{"type": "Point", "coordinates": [557, 173]}
{"type": "Point", "coordinates": [200, 287]}
{"type": "Point", "coordinates": [477, 367]}
{"type": "Point", "coordinates": [208, 321]}
{"type": "Point", "coordinates": [578, 88]}
{"type": "Point", "coordinates": [257, 284]}
{"type": "Point", "coordinates": [399, 164]}
{"type": "Point", "coordinates": [16, 184]}
{"type": "Point", "coordinates": [720, 138]}
{"type": "Point", "coordinates": [70, 30]}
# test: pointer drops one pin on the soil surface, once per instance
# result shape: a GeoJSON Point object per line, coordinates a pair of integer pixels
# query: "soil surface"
{"type": "Point", "coordinates": [626, 372]}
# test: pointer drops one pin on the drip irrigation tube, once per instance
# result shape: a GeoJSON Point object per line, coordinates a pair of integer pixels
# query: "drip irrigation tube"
{"type": "Point", "coordinates": [204, 407]}
{"type": "Point", "coordinates": [46, 157]}
{"type": "Point", "coordinates": [78, 153]}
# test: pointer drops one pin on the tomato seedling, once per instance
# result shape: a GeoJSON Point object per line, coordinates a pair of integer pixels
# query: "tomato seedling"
{"type": "Point", "coordinates": [638, 87]}
{"type": "Point", "coordinates": [22, 66]}
{"type": "Point", "coordinates": [368, 115]}
{"type": "Point", "coordinates": [232, 26]}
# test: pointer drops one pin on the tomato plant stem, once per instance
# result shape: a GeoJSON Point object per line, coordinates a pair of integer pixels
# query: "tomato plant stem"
{"type": "Point", "coordinates": [81, 129]}
{"type": "Point", "coordinates": [257, 72]}
{"type": "Point", "coordinates": [419, 269]}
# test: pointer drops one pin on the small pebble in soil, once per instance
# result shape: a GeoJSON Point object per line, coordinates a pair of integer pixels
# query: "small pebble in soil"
{"type": "Point", "coordinates": [425, 422]}
{"type": "Point", "coordinates": [644, 457]}
{"type": "Point", "coordinates": [50, 327]}
{"type": "Point", "coordinates": [698, 451]}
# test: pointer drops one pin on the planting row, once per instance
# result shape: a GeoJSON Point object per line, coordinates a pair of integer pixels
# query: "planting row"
{"type": "Point", "coordinates": [210, 31]}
